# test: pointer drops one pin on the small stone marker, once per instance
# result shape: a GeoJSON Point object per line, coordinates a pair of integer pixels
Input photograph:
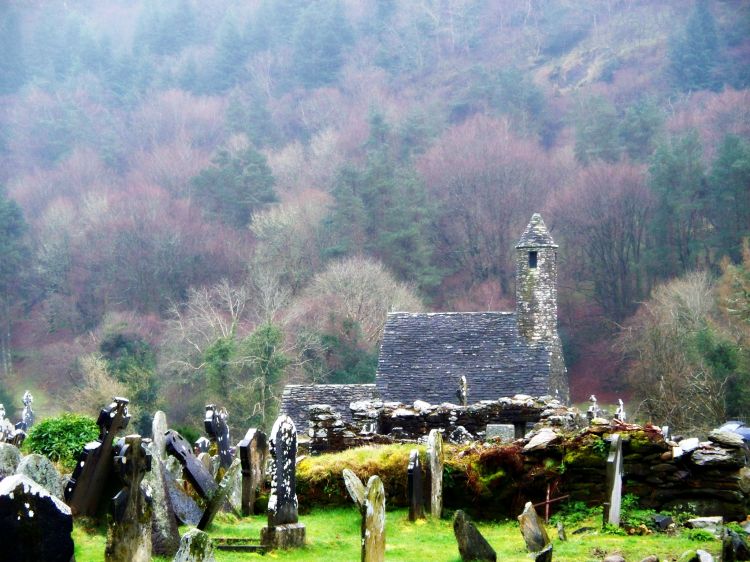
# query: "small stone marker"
{"type": "Point", "coordinates": [561, 531]}
{"type": "Point", "coordinates": [544, 555]}
{"type": "Point", "coordinates": [253, 452]}
{"type": "Point", "coordinates": [94, 467]}
{"type": "Point", "coordinates": [620, 412]}
{"type": "Point", "coordinates": [502, 431]}
{"type": "Point", "coordinates": [195, 546]}
{"type": "Point", "coordinates": [158, 435]}
{"type": "Point", "coordinates": [415, 487]}
{"type": "Point", "coordinates": [614, 480]}
{"type": "Point", "coordinates": [532, 529]}
{"type": "Point", "coordinates": [10, 458]}
{"type": "Point", "coordinates": [33, 524]}
{"type": "Point", "coordinates": [165, 537]}
{"type": "Point", "coordinates": [129, 528]}
{"type": "Point", "coordinates": [471, 544]}
{"type": "Point", "coordinates": [355, 488]}
{"type": "Point", "coordinates": [215, 424]}
{"type": "Point", "coordinates": [435, 459]}
{"type": "Point", "coordinates": [283, 530]}
{"type": "Point", "coordinates": [42, 471]}
{"type": "Point", "coordinates": [220, 496]}
{"type": "Point", "coordinates": [373, 522]}
{"type": "Point", "coordinates": [200, 478]}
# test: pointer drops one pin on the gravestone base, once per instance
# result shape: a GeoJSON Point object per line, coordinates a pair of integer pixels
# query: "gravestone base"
{"type": "Point", "coordinates": [289, 535]}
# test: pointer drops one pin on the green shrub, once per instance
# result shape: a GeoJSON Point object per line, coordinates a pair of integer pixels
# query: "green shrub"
{"type": "Point", "coordinates": [699, 535]}
{"type": "Point", "coordinates": [62, 438]}
{"type": "Point", "coordinates": [573, 513]}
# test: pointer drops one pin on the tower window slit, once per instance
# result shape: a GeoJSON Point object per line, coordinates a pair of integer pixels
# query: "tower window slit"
{"type": "Point", "coordinates": [532, 260]}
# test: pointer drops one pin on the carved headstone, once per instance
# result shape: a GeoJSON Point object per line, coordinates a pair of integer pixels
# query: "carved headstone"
{"type": "Point", "coordinates": [198, 476]}
{"type": "Point", "coordinates": [158, 435]}
{"type": "Point", "coordinates": [217, 500]}
{"type": "Point", "coordinates": [355, 488]}
{"type": "Point", "coordinates": [415, 487]}
{"type": "Point", "coordinates": [620, 412]}
{"type": "Point", "coordinates": [471, 544]}
{"type": "Point", "coordinates": [594, 411]}
{"type": "Point", "coordinates": [94, 466]}
{"type": "Point", "coordinates": [165, 538]}
{"type": "Point", "coordinates": [215, 424]}
{"type": "Point", "coordinates": [532, 529]}
{"type": "Point", "coordinates": [373, 522]}
{"type": "Point", "coordinates": [33, 524]}
{"type": "Point", "coordinates": [129, 523]}
{"type": "Point", "coordinates": [614, 480]}
{"type": "Point", "coordinates": [435, 459]}
{"type": "Point", "coordinates": [253, 452]}
{"type": "Point", "coordinates": [195, 546]}
{"type": "Point", "coordinates": [41, 470]}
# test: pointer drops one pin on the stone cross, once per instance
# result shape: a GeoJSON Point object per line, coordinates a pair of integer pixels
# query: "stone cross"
{"type": "Point", "coordinates": [594, 411]}
{"type": "Point", "coordinates": [201, 445]}
{"type": "Point", "coordinates": [27, 416]}
{"type": "Point", "coordinates": [94, 466]}
{"type": "Point", "coordinates": [614, 481]}
{"type": "Point", "coordinates": [253, 451]}
{"type": "Point", "coordinates": [435, 460]}
{"type": "Point", "coordinates": [373, 522]}
{"type": "Point", "coordinates": [196, 473]}
{"type": "Point", "coordinates": [415, 487]}
{"type": "Point", "coordinates": [463, 391]}
{"type": "Point", "coordinates": [620, 412]}
{"type": "Point", "coordinates": [215, 424]}
{"type": "Point", "coordinates": [129, 532]}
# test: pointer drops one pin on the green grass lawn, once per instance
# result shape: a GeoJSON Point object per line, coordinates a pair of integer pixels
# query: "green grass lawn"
{"type": "Point", "coordinates": [333, 534]}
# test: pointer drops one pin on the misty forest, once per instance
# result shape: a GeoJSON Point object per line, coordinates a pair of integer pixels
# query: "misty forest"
{"type": "Point", "coordinates": [205, 200]}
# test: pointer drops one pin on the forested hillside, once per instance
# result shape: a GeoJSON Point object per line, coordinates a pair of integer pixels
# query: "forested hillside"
{"type": "Point", "coordinates": [206, 199]}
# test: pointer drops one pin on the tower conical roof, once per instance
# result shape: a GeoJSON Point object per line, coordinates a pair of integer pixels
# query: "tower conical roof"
{"type": "Point", "coordinates": [536, 235]}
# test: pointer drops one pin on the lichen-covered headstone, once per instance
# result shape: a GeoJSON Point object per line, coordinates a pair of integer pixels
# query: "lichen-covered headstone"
{"type": "Point", "coordinates": [253, 453]}
{"type": "Point", "coordinates": [195, 546]}
{"type": "Point", "coordinates": [165, 538]}
{"type": "Point", "coordinates": [614, 480]}
{"type": "Point", "coordinates": [42, 471]}
{"type": "Point", "coordinates": [34, 525]}
{"type": "Point", "coordinates": [435, 459]}
{"type": "Point", "coordinates": [216, 501]}
{"type": "Point", "coordinates": [197, 474]}
{"type": "Point", "coordinates": [185, 508]}
{"type": "Point", "coordinates": [10, 458]}
{"type": "Point", "coordinates": [415, 487]}
{"type": "Point", "coordinates": [373, 522]}
{"type": "Point", "coordinates": [355, 488]}
{"type": "Point", "coordinates": [471, 544]}
{"type": "Point", "coordinates": [129, 520]}
{"type": "Point", "coordinates": [532, 529]}
{"type": "Point", "coordinates": [215, 424]}
{"type": "Point", "coordinates": [158, 435]}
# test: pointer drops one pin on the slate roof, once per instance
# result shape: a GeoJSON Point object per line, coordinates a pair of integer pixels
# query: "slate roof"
{"type": "Point", "coordinates": [423, 355]}
{"type": "Point", "coordinates": [536, 234]}
{"type": "Point", "coordinates": [297, 397]}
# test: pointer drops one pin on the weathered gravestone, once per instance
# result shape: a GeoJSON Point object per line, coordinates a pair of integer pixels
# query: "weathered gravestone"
{"type": "Point", "coordinates": [463, 391]}
{"type": "Point", "coordinates": [6, 427]}
{"type": "Point", "coordinates": [283, 530]}
{"type": "Point", "coordinates": [10, 458]}
{"type": "Point", "coordinates": [195, 546]}
{"type": "Point", "coordinates": [471, 544]}
{"type": "Point", "coordinates": [207, 462]}
{"type": "Point", "coordinates": [532, 529]}
{"type": "Point", "coordinates": [355, 488]}
{"type": "Point", "coordinates": [41, 470]}
{"type": "Point", "coordinates": [198, 476]}
{"type": "Point", "coordinates": [165, 538]}
{"type": "Point", "coordinates": [215, 424]}
{"type": "Point", "coordinates": [373, 522]}
{"type": "Point", "coordinates": [415, 487]}
{"type": "Point", "coordinates": [34, 525]}
{"type": "Point", "coordinates": [201, 445]}
{"type": "Point", "coordinates": [253, 452]}
{"type": "Point", "coordinates": [435, 460]}
{"type": "Point", "coordinates": [27, 416]}
{"type": "Point", "coordinates": [94, 466]}
{"type": "Point", "coordinates": [158, 435]}
{"type": "Point", "coordinates": [129, 521]}
{"type": "Point", "coordinates": [216, 501]}
{"type": "Point", "coordinates": [185, 508]}
{"type": "Point", "coordinates": [502, 431]}
{"type": "Point", "coordinates": [614, 481]}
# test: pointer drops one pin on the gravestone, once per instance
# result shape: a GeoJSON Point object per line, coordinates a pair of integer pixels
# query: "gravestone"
{"type": "Point", "coordinates": [195, 546]}
{"type": "Point", "coordinates": [207, 462]}
{"type": "Point", "coordinates": [165, 538]}
{"type": "Point", "coordinates": [198, 476]}
{"type": "Point", "coordinates": [215, 424]}
{"type": "Point", "coordinates": [283, 530]}
{"type": "Point", "coordinates": [234, 497]}
{"type": "Point", "coordinates": [42, 471]}
{"type": "Point", "coordinates": [594, 410]}
{"type": "Point", "coordinates": [355, 488]}
{"type": "Point", "coordinates": [502, 431]}
{"type": "Point", "coordinates": [158, 435]}
{"type": "Point", "coordinates": [373, 522]}
{"type": "Point", "coordinates": [10, 458]}
{"type": "Point", "coordinates": [6, 426]}
{"type": "Point", "coordinates": [415, 487]}
{"type": "Point", "coordinates": [614, 481]}
{"type": "Point", "coordinates": [544, 555]}
{"type": "Point", "coordinates": [620, 412]}
{"type": "Point", "coordinates": [463, 391]}
{"type": "Point", "coordinates": [253, 452]}
{"type": "Point", "coordinates": [129, 521]}
{"type": "Point", "coordinates": [471, 544]}
{"type": "Point", "coordinates": [33, 524]}
{"type": "Point", "coordinates": [216, 501]}
{"type": "Point", "coordinates": [532, 529]}
{"type": "Point", "coordinates": [94, 467]}
{"type": "Point", "coordinates": [185, 508]}
{"type": "Point", "coordinates": [27, 416]}
{"type": "Point", "coordinates": [201, 445]}
{"type": "Point", "coordinates": [435, 460]}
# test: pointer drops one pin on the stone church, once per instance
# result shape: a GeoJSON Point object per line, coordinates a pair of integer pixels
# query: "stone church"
{"type": "Point", "coordinates": [423, 356]}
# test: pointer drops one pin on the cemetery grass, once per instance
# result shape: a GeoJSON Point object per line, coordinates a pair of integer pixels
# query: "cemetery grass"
{"type": "Point", "coordinates": [333, 534]}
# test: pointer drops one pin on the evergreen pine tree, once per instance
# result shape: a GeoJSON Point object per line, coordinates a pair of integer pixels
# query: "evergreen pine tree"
{"type": "Point", "coordinates": [694, 54]}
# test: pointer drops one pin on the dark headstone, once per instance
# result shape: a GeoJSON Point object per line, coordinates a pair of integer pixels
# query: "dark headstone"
{"type": "Point", "coordinates": [201, 445]}
{"type": "Point", "coordinates": [34, 525]}
{"type": "Point", "coordinates": [373, 522]}
{"type": "Point", "coordinates": [129, 521]}
{"type": "Point", "coordinates": [200, 478]}
{"type": "Point", "coordinates": [532, 529]}
{"type": "Point", "coordinates": [545, 555]}
{"type": "Point", "coordinates": [165, 538]}
{"type": "Point", "coordinates": [663, 522]}
{"type": "Point", "coordinates": [734, 547]}
{"type": "Point", "coordinates": [471, 544]}
{"type": "Point", "coordinates": [415, 487]}
{"type": "Point", "coordinates": [215, 424]}
{"type": "Point", "coordinates": [253, 451]}
{"type": "Point", "coordinates": [94, 466]}
{"type": "Point", "coordinates": [217, 500]}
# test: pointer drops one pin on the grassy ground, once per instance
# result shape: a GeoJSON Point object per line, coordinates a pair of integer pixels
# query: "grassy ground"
{"type": "Point", "coordinates": [333, 534]}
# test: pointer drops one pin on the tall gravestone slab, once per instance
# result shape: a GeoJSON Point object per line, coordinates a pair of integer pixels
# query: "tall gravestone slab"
{"type": "Point", "coordinates": [159, 435]}
{"type": "Point", "coordinates": [373, 522]}
{"type": "Point", "coordinates": [415, 487]}
{"type": "Point", "coordinates": [165, 537]}
{"type": "Point", "coordinates": [185, 508]}
{"type": "Point", "coordinates": [34, 525]}
{"type": "Point", "coordinates": [216, 501]}
{"type": "Point", "coordinates": [614, 480]}
{"type": "Point", "coordinates": [472, 546]}
{"type": "Point", "coordinates": [532, 529]}
{"type": "Point", "coordinates": [94, 467]}
{"type": "Point", "coordinates": [198, 476]}
{"type": "Point", "coordinates": [356, 489]}
{"type": "Point", "coordinates": [435, 459]}
{"type": "Point", "coordinates": [283, 530]}
{"type": "Point", "coordinates": [253, 452]}
{"type": "Point", "coordinates": [129, 521]}
{"type": "Point", "coordinates": [215, 424]}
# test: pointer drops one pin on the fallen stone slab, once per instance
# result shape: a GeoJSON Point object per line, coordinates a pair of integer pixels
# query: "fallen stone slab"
{"type": "Point", "coordinates": [711, 524]}
{"type": "Point", "coordinates": [726, 438]}
{"type": "Point", "coordinates": [471, 544]}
